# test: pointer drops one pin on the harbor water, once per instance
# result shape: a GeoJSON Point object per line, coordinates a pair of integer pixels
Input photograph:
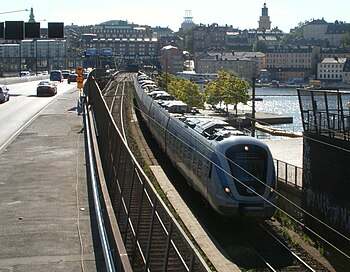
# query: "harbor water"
{"type": "Point", "coordinates": [280, 101]}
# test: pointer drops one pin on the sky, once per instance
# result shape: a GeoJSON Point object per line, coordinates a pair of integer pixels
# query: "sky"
{"type": "Point", "coordinates": [242, 14]}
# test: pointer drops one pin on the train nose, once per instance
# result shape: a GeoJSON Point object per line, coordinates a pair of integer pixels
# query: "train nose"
{"type": "Point", "coordinates": [251, 190]}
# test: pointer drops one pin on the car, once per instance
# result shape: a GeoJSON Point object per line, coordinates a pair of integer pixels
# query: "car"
{"type": "Point", "coordinates": [4, 94]}
{"type": "Point", "coordinates": [46, 88]}
{"type": "Point", "coordinates": [72, 78]}
{"type": "Point", "coordinates": [65, 73]}
{"type": "Point", "coordinates": [24, 73]}
{"type": "Point", "coordinates": [56, 75]}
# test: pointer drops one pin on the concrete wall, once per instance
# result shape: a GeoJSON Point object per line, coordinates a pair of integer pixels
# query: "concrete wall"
{"type": "Point", "coordinates": [13, 80]}
{"type": "Point", "coordinates": [326, 182]}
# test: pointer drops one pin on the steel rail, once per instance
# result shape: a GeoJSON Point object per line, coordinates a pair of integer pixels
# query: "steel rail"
{"type": "Point", "coordinates": [290, 251]}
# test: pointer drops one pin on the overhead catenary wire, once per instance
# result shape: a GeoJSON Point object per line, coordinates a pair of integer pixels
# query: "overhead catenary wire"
{"type": "Point", "coordinates": [278, 207]}
{"type": "Point", "coordinates": [297, 221]}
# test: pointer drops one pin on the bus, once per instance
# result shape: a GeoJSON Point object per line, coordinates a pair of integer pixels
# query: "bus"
{"type": "Point", "coordinates": [56, 75]}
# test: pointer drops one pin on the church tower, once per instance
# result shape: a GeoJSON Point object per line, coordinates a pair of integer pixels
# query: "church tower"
{"type": "Point", "coordinates": [264, 22]}
{"type": "Point", "coordinates": [31, 16]}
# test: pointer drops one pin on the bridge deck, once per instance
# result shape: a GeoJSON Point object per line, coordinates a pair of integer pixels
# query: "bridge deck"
{"type": "Point", "coordinates": [44, 209]}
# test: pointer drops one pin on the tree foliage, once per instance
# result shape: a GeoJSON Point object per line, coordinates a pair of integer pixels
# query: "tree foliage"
{"type": "Point", "coordinates": [186, 91]}
{"type": "Point", "coordinates": [164, 79]}
{"type": "Point", "coordinates": [183, 89]}
{"type": "Point", "coordinates": [228, 89]}
{"type": "Point", "coordinates": [259, 46]}
{"type": "Point", "coordinates": [295, 34]}
{"type": "Point", "coordinates": [345, 39]}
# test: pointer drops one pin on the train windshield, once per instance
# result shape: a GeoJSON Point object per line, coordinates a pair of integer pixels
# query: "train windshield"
{"type": "Point", "coordinates": [248, 165]}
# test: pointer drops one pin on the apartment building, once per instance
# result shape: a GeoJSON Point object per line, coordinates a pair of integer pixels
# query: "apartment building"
{"type": "Point", "coordinates": [320, 29]}
{"type": "Point", "coordinates": [239, 64]}
{"type": "Point", "coordinates": [171, 59]}
{"type": "Point", "coordinates": [34, 55]}
{"type": "Point", "coordinates": [331, 69]}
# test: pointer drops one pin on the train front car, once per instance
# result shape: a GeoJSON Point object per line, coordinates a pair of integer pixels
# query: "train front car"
{"type": "Point", "coordinates": [244, 173]}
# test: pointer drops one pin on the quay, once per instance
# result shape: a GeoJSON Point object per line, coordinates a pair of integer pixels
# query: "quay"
{"type": "Point", "coordinates": [243, 119]}
{"type": "Point", "coordinates": [46, 220]}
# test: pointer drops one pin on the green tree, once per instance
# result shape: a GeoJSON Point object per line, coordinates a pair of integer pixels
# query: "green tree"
{"type": "Point", "coordinates": [187, 38]}
{"type": "Point", "coordinates": [345, 39]}
{"type": "Point", "coordinates": [164, 79]}
{"type": "Point", "coordinates": [228, 89]}
{"type": "Point", "coordinates": [295, 34]}
{"type": "Point", "coordinates": [182, 89]}
{"type": "Point", "coordinates": [186, 91]}
{"type": "Point", "coordinates": [259, 46]}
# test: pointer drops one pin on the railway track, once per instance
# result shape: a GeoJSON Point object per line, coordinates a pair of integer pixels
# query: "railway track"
{"type": "Point", "coordinates": [251, 245]}
{"type": "Point", "coordinates": [274, 251]}
{"type": "Point", "coordinates": [153, 241]}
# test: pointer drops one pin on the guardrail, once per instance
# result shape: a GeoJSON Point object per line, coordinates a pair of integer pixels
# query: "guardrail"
{"type": "Point", "coordinates": [13, 80]}
{"type": "Point", "coordinates": [138, 223]}
{"type": "Point", "coordinates": [289, 174]}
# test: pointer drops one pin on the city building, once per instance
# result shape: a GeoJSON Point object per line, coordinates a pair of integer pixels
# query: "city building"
{"type": "Point", "coordinates": [331, 69]}
{"type": "Point", "coordinates": [118, 29]}
{"type": "Point", "coordinates": [264, 21]}
{"type": "Point", "coordinates": [188, 23]}
{"type": "Point", "coordinates": [346, 72]}
{"type": "Point", "coordinates": [238, 64]}
{"type": "Point", "coordinates": [171, 59]}
{"type": "Point", "coordinates": [338, 52]}
{"type": "Point", "coordinates": [34, 55]}
{"type": "Point", "coordinates": [115, 51]}
{"type": "Point", "coordinates": [211, 36]}
{"type": "Point", "coordinates": [330, 32]}
{"type": "Point", "coordinates": [116, 43]}
{"type": "Point", "coordinates": [292, 62]}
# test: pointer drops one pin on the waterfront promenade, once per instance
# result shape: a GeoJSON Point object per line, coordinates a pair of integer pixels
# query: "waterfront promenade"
{"type": "Point", "coordinates": [289, 150]}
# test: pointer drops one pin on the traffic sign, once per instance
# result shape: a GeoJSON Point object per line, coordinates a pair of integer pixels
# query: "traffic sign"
{"type": "Point", "coordinates": [79, 71]}
{"type": "Point", "coordinates": [80, 81]}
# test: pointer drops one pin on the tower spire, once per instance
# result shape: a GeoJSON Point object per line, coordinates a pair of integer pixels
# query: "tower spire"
{"type": "Point", "coordinates": [264, 22]}
{"type": "Point", "coordinates": [31, 16]}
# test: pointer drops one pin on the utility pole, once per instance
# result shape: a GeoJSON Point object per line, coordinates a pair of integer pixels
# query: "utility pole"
{"type": "Point", "coordinates": [253, 108]}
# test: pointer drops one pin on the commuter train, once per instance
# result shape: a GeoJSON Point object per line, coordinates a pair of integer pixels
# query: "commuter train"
{"type": "Point", "coordinates": [233, 172]}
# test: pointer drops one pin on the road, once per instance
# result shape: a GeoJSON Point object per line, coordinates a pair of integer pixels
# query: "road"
{"type": "Point", "coordinates": [23, 106]}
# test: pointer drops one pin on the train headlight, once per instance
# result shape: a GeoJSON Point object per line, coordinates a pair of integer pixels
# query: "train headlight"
{"type": "Point", "coordinates": [227, 190]}
{"type": "Point", "coordinates": [246, 148]}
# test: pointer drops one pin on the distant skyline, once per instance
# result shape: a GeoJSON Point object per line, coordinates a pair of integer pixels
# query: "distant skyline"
{"type": "Point", "coordinates": [242, 14]}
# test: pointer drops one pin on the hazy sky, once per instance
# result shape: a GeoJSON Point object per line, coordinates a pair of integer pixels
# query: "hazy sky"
{"type": "Point", "coordinates": [243, 14]}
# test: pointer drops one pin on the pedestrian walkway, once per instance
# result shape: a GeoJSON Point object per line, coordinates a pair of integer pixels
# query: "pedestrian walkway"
{"type": "Point", "coordinates": [289, 150]}
{"type": "Point", "coordinates": [44, 208]}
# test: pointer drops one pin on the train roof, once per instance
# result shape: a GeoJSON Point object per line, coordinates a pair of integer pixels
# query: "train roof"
{"type": "Point", "coordinates": [209, 127]}
{"type": "Point", "coordinates": [175, 106]}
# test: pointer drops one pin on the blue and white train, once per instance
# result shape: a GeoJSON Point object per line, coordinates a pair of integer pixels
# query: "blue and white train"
{"type": "Point", "coordinates": [233, 172]}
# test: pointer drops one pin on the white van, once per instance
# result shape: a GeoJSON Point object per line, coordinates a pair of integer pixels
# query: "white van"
{"type": "Point", "coordinates": [24, 73]}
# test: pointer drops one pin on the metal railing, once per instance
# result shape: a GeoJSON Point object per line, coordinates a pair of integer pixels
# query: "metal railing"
{"type": "Point", "coordinates": [153, 239]}
{"type": "Point", "coordinates": [114, 252]}
{"type": "Point", "coordinates": [289, 174]}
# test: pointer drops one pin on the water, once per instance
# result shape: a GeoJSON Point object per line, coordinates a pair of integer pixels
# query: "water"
{"type": "Point", "coordinates": [281, 101]}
